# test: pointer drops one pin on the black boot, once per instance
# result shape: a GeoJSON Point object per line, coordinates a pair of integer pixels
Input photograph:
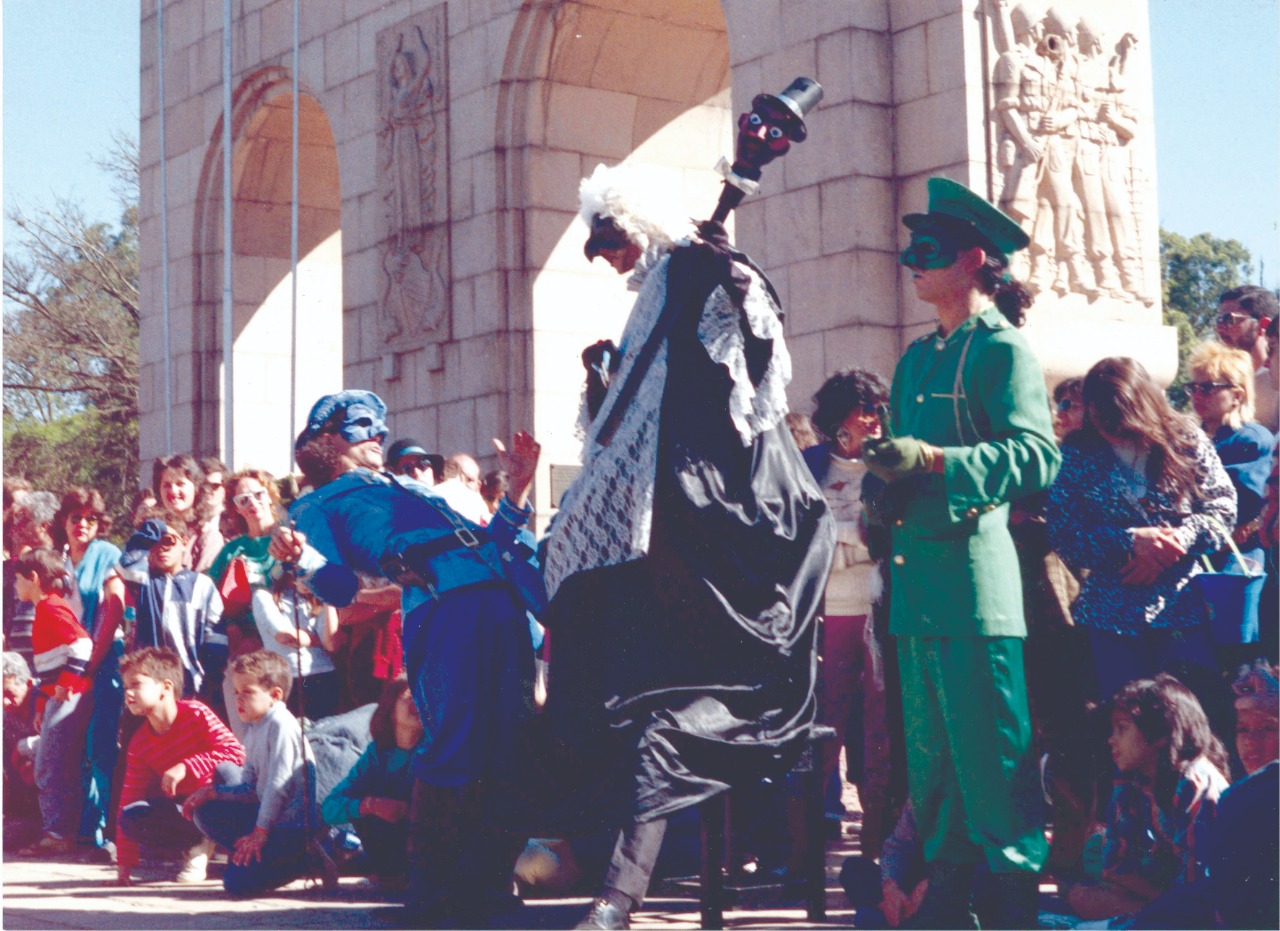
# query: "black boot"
{"type": "Point", "coordinates": [948, 904]}
{"type": "Point", "coordinates": [1016, 900]}
{"type": "Point", "coordinates": [610, 912]}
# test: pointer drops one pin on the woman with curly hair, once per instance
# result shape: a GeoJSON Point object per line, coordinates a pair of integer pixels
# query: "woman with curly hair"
{"type": "Point", "coordinates": [1141, 495]}
{"type": "Point", "coordinates": [179, 484]}
{"type": "Point", "coordinates": [255, 510]}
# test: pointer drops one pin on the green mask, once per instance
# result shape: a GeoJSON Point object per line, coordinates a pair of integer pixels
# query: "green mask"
{"type": "Point", "coordinates": [930, 247]}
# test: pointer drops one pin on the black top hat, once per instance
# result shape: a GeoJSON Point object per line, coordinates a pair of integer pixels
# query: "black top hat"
{"type": "Point", "coordinates": [801, 96]}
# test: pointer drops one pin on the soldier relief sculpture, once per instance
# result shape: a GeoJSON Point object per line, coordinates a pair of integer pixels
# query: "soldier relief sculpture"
{"type": "Point", "coordinates": [1065, 165]}
{"type": "Point", "coordinates": [411, 178]}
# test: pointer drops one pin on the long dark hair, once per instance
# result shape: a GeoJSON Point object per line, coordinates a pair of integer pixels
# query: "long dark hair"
{"type": "Point", "coordinates": [382, 726]}
{"type": "Point", "coordinates": [1121, 399]}
{"type": "Point", "coordinates": [1012, 297]}
{"type": "Point", "coordinates": [1163, 708]}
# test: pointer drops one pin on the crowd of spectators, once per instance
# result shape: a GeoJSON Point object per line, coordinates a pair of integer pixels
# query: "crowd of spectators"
{"type": "Point", "coordinates": [161, 668]}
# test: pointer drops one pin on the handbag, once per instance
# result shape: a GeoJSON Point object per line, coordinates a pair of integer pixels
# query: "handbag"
{"type": "Point", "coordinates": [1231, 598]}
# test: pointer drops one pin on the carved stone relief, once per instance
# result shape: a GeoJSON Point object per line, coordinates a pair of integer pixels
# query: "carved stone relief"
{"type": "Point", "coordinates": [413, 177]}
{"type": "Point", "coordinates": [1066, 162]}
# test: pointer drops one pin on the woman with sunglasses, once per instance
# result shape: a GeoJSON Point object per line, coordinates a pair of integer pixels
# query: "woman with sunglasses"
{"type": "Point", "coordinates": [1222, 394]}
{"type": "Point", "coordinates": [245, 565]}
{"type": "Point", "coordinates": [77, 529]}
{"type": "Point", "coordinates": [1140, 496]}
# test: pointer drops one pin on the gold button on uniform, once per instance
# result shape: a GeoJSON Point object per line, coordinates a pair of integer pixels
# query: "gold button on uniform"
{"type": "Point", "coordinates": [972, 512]}
{"type": "Point", "coordinates": [990, 507]}
{"type": "Point", "coordinates": [919, 398]}
{"type": "Point", "coordinates": [899, 560]}
{"type": "Point", "coordinates": [899, 522]}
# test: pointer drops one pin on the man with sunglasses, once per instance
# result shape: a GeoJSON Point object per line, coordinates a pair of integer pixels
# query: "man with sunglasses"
{"type": "Point", "coordinates": [407, 457]}
{"type": "Point", "coordinates": [1243, 316]}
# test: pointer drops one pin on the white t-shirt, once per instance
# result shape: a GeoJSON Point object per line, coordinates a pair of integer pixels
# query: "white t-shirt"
{"type": "Point", "coordinates": [853, 583]}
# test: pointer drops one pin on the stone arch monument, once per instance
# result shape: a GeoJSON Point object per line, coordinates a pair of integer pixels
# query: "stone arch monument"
{"type": "Point", "coordinates": [450, 251]}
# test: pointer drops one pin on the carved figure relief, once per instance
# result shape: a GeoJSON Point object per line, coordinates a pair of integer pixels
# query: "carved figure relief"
{"type": "Point", "coordinates": [1064, 160]}
{"type": "Point", "coordinates": [413, 177]}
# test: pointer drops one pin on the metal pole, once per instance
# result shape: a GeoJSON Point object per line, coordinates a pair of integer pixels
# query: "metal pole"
{"type": "Point", "coordinates": [293, 254]}
{"type": "Point", "coordinates": [164, 239]}
{"type": "Point", "coordinates": [228, 297]}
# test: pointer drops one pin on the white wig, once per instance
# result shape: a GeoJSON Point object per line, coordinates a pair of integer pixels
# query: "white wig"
{"type": "Point", "coordinates": [615, 193]}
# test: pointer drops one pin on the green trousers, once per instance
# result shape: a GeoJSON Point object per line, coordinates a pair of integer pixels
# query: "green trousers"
{"type": "Point", "coordinates": [971, 770]}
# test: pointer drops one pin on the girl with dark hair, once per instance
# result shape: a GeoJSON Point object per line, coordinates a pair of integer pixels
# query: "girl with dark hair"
{"type": "Point", "coordinates": [374, 796]}
{"type": "Point", "coordinates": [99, 598]}
{"type": "Point", "coordinates": [178, 481]}
{"type": "Point", "coordinates": [847, 412]}
{"type": "Point", "coordinates": [1140, 496]}
{"type": "Point", "coordinates": [973, 434]}
{"type": "Point", "coordinates": [1171, 768]}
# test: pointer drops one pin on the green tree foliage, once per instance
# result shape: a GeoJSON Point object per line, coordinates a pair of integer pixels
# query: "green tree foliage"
{"type": "Point", "coordinates": [1193, 273]}
{"type": "Point", "coordinates": [71, 344]}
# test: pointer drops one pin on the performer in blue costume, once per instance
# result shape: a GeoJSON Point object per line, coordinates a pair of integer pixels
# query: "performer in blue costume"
{"type": "Point", "coordinates": [466, 593]}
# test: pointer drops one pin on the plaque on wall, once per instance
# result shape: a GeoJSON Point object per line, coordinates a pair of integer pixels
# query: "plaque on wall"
{"type": "Point", "coordinates": [413, 179]}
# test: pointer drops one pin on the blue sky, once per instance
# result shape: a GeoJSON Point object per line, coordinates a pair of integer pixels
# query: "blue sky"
{"type": "Point", "coordinates": [71, 80]}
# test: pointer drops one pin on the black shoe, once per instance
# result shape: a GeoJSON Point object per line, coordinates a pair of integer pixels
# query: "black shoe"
{"type": "Point", "coordinates": [608, 912]}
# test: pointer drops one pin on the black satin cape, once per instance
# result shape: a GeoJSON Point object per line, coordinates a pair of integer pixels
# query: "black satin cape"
{"type": "Point", "coordinates": [694, 667]}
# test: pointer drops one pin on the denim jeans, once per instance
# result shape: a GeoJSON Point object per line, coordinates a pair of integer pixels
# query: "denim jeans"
{"type": "Point", "coordinates": [58, 757]}
{"type": "Point", "coordinates": [101, 748]}
{"type": "Point", "coordinates": [284, 856]}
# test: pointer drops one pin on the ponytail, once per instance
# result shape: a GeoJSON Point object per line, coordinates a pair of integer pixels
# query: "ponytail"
{"type": "Point", "coordinates": [1012, 297]}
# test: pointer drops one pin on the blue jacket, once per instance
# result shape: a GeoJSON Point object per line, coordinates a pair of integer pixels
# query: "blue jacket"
{"type": "Point", "coordinates": [359, 518]}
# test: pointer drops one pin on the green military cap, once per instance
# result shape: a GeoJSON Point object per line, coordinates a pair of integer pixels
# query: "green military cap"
{"type": "Point", "coordinates": [953, 205]}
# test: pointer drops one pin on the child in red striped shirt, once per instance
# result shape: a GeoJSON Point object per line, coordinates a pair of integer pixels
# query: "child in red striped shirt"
{"type": "Point", "coordinates": [174, 753]}
{"type": "Point", "coordinates": [61, 650]}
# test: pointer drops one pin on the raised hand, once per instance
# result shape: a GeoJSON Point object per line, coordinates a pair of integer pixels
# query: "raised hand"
{"type": "Point", "coordinates": [520, 462]}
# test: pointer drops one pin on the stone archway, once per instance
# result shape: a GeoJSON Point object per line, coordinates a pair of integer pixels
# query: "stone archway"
{"type": "Point", "coordinates": [264, 372]}
{"type": "Point", "coordinates": [589, 82]}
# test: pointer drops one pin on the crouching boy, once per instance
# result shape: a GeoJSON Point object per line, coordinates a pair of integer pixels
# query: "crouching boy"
{"type": "Point", "coordinates": [173, 754]}
{"type": "Point", "coordinates": [264, 813]}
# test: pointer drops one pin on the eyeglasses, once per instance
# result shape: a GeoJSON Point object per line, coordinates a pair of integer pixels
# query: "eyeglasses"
{"type": "Point", "coordinates": [415, 465]}
{"type": "Point", "coordinates": [90, 519]}
{"type": "Point", "coordinates": [245, 498]}
{"type": "Point", "coordinates": [168, 540]}
{"type": "Point", "coordinates": [1231, 318]}
{"type": "Point", "coordinates": [1207, 387]}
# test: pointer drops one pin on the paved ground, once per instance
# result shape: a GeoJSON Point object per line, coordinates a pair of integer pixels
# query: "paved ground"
{"type": "Point", "coordinates": [71, 893]}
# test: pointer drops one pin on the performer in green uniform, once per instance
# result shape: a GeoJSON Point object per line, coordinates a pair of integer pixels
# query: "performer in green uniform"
{"type": "Point", "coordinates": [971, 431]}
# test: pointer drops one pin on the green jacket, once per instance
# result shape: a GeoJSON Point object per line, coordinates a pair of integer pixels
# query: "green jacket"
{"type": "Point", "coordinates": [980, 395]}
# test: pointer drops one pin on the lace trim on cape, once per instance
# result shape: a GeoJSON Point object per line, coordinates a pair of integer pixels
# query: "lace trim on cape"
{"type": "Point", "coordinates": [606, 515]}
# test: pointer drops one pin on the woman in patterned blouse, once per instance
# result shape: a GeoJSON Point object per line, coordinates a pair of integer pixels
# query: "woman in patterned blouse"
{"type": "Point", "coordinates": [1140, 495]}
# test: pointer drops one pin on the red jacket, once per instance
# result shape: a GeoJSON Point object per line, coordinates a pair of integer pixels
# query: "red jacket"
{"type": "Point", "coordinates": [61, 647]}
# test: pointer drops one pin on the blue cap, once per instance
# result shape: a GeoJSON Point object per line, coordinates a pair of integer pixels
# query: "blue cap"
{"type": "Point", "coordinates": [363, 417]}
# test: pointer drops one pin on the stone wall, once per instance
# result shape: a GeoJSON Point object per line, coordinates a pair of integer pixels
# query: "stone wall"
{"type": "Point", "coordinates": [444, 144]}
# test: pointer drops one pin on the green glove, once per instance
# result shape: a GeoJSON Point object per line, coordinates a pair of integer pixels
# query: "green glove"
{"type": "Point", "coordinates": [892, 459]}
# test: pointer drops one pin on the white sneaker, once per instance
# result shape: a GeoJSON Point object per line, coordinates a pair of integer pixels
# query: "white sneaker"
{"type": "Point", "coordinates": [195, 864]}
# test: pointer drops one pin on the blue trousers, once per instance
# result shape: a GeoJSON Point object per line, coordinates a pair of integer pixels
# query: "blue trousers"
{"type": "Point", "coordinates": [284, 856]}
{"type": "Point", "coordinates": [101, 748]}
